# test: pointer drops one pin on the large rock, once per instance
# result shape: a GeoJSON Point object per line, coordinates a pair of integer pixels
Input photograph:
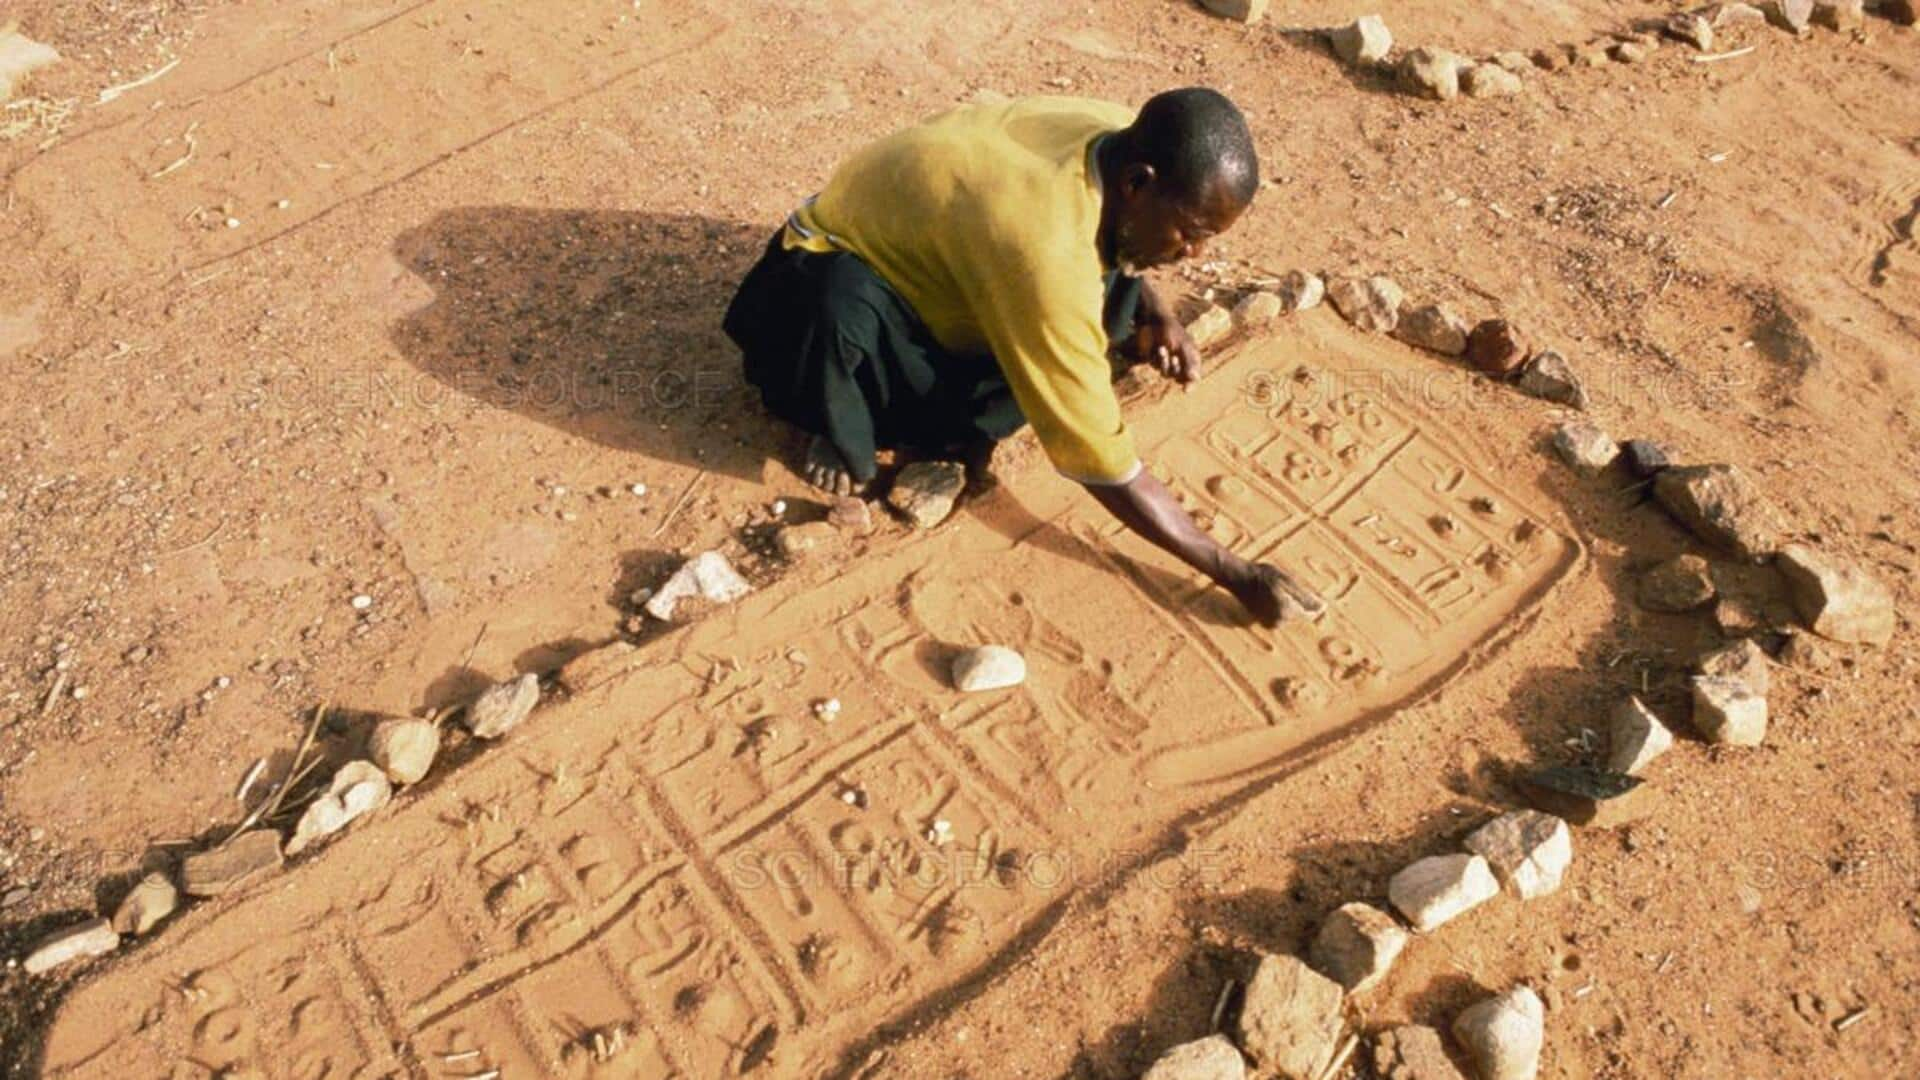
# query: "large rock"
{"type": "Point", "coordinates": [1720, 505]}
{"type": "Point", "coordinates": [1743, 661]}
{"type": "Point", "coordinates": [1496, 348]}
{"type": "Point", "coordinates": [1370, 303]}
{"type": "Point", "coordinates": [1581, 444]}
{"type": "Point", "coordinates": [1356, 946]}
{"type": "Point", "coordinates": [1434, 891]}
{"type": "Point", "coordinates": [358, 789]}
{"type": "Point", "coordinates": [1645, 458]}
{"type": "Point", "coordinates": [152, 900]}
{"type": "Point", "coordinates": [1413, 1052]}
{"type": "Point", "coordinates": [404, 747]}
{"type": "Point", "coordinates": [1635, 737]}
{"type": "Point", "coordinates": [95, 937]}
{"type": "Point", "coordinates": [707, 575]}
{"type": "Point", "coordinates": [1726, 711]}
{"type": "Point", "coordinates": [1434, 327]}
{"type": "Point", "coordinates": [1299, 290]}
{"type": "Point", "coordinates": [1840, 14]}
{"type": "Point", "coordinates": [1549, 377]}
{"type": "Point", "coordinates": [1433, 73]}
{"type": "Point", "coordinates": [1489, 80]}
{"type": "Point", "coordinates": [1794, 15]}
{"type": "Point", "coordinates": [989, 667]}
{"type": "Point", "coordinates": [1504, 1035]}
{"type": "Point", "coordinates": [1366, 40]}
{"type": "Point", "coordinates": [1246, 11]}
{"type": "Point", "coordinates": [1836, 597]}
{"type": "Point", "coordinates": [501, 708]}
{"type": "Point", "coordinates": [1210, 327]}
{"type": "Point", "coordinates": [1682, 583]}
{"type": "Point", "coordinates": [222, 870]}
{"type": "Point", "coordinates": [925, 491]}
{"type": "Point", "coordinates": [1290, 1021]}
{"type": "Point", "coordinates": [1585, 796]}
{"type": "Point", "coordinates": [1529, 851]}
{"type": "Point", "coordinates": [1211, 1058]}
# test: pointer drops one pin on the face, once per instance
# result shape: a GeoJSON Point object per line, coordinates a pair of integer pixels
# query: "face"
{"type": "Point", "coordinates": [1154, 230]}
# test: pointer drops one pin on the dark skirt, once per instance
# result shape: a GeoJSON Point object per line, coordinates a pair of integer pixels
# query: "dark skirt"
{"type": "Point", "coordinates": [836, 352]}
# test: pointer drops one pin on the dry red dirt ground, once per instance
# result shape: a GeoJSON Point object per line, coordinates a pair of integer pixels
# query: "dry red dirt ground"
{"type": "Point", "coordinates": [400, 299]}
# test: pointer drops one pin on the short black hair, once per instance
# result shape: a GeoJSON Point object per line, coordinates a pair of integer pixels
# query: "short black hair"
{"type": "Point", "coordinates": [1194, 137]}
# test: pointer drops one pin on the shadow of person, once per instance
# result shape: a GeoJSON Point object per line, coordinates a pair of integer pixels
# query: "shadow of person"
{"type": "Point", "coordinates": [604, 324]}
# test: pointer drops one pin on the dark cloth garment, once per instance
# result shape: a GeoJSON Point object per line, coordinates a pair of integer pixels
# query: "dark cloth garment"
{"type": "Point", "coordinates": [837, 353]}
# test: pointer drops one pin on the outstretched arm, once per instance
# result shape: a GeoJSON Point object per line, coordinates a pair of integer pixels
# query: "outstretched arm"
{"type": "Point", "coordinates": [1145, 506]}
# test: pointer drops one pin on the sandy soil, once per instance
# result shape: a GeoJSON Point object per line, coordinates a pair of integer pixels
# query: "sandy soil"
{"type": "Point", "coordinates": [400, 299]}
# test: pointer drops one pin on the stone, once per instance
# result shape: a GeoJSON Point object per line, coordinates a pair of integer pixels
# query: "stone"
{"type": "Point", "coordinates": [796, 541]}
{"type": "Point", "coordinates": [1682, 583]}
{"type": "Point", "coordinates": [1495, 348]}
{"type": "Point", "coordinates": [1210, 327]}
{"type": "Point", "coordinates": [1529, 851]}
{"type": "Point", "coordinates": [1793, 15]}
{"type": "Point", "coordinates": [404, 748]}
{"type": "Point", "coordinates": [1629, 52]}
{"type": "Point", "coordinates": [708, 576]}
{"type": "Point", "coordinates": [20, 56]}
{"type": "Point", "coordinates": [1743, 661]}
{"type": "Point", "coordinates": [1900, 12]}
{"type": "Point", "coordinates": [1366, 40]}
{"type": "Point", "coordinates": [989, 667]}
{"type": "Point", "coordinates": [1370, 303]}
{"type": "Point", "coordinates": [1735, 617]}
{"type": "Point", "coordinates": [1549, 377]}
{"type": "Point", "coordinates": [1726, 711]}
{"type": "Point", "coordinates": [1433, 327]}
{"type": "Point", "coordinates": [1413, 1052]}
{"type": "Point", "coordinates": [1593, 54]}
{"type": "Point", "coordinates": [1504, 1035]}
{"type": "Point", "coordinates": [1635, 737]}
{"type": "Point", "coordinates": [503, 706]}
{"type": "Point", "coordinates": [1246, 11]}
{"type": "Point", "coordinates": [95, 937]}
{"type": "Point", "coordinates": [1836, 597]}
{"type": "Point", "coordinates": [1356, 946]}
{"type": "Point", "coordinates": [1489, 80]}
{"type": "Point", "coordinates": [358, 789]}
{"type": "Point", "coordinates": [1645, 458]}
{"type": "Point", "coordinates": [1803, 652]}
{"type": "Point", "coordinates": [852, 515]}
{"type": "Point", "coordinates": [1553, 58]}
{"type": "Point", "coordinates": [1691, 28]}
{"type": "Point", "coordinates": [1434, 891]}
{"type": "Point", "coordinates": [1724, 15]}
{"type": "Point", "coordinates": [1586, 796]}
{"type": "Point", "coordinates": [1840, 15]}
{"type": "Point", "coordinates": [1299, 290]}
{"type": "Point", "coordinates": [1212, 1058]}
{"type": "Point", "coordinates": [1721, 506]}
{"type": "Point", "coordinates": [1584, 446]}
{"type": "Point", "coordinates": [222, 870]}
{"type": "Point", "coordinates": [925, 491]}
{"type": "Point", "coordinates": [1256, 310]}
{"type": "Point", "coordinates": [152, 900]}
{"type": "Point", "coordinates": [1290, 1020]}
{"type": "Point", "coordinates": [1516, 62]}
{"type": "Point", "coordinates": [1433, 73]}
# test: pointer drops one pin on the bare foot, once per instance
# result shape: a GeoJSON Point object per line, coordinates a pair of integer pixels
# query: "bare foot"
{"type": "Point", "coordinates": [826, 469]}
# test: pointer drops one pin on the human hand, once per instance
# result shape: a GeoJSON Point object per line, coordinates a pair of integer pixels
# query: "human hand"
{"type": "Point", "coordinates": [1159, 338]}
{"type": "Point", "coordinates": [1270, 594]}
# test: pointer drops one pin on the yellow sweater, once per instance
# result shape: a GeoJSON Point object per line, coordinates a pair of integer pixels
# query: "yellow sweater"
{"type": "Point", "coordinates": [986, 220]}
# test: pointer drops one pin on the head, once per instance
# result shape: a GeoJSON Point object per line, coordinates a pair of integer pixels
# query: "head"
{"type": "Point", "coordinates": [1181, 175]}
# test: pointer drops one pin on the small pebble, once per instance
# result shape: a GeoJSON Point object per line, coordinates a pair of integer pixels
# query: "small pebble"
{"type": "Point", "coordinates": [828, 709]}
{"type": "Point", "coordinates": [779, 507]}
{"type": "Point", "coordinates": [80, 693]}
{"type": "Point", "coordinates": [638, 489]}
{"type": "Point", "coordinates": [222, 682]}
{"type": "Point", "coordinates": [233, 223]}
{"type": "Point", "coordinates": [362, 602]}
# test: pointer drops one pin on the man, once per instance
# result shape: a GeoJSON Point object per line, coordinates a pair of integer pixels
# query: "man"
{"type": "Point", "coordinates": [964, 277]}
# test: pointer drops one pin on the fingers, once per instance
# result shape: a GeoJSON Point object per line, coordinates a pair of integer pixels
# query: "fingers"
{"type": "Point", "coordinates": [1190, 362]}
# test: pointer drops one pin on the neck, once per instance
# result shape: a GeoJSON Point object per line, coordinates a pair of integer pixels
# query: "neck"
{"type": "Point", "coordinates": [1108, 157]}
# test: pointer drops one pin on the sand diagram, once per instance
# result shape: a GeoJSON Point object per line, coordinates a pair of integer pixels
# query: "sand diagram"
{"type": "Point", "coordinates": [685, 870]}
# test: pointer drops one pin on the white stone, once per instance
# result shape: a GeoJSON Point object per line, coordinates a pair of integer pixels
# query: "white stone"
{"type": "Point", "coordinates": [1299, 290]}
{"type": "Point", "coordinates": [358, 789]}
{"type": "Point", "coordinates": [1210, 327]}
{"type": "Point", "coordinates": [1366, 40]}
{"type": "Point", "coordinates": [404, 747]}
{"type": "Point", "coordinates": [152, 900]}
{"type": "Point", "coordinates": [1726, 711]}
{"type": "Point", "coordinates": [1257, 310]}
{"type": "Point", "coordinates": [1528, 850]}
{"type": "Point", "coordinates": [1836, 597]}
{"type": "Point", "coordinates": [1504, 1035]}
{"type": "Point", "coordinates": [1431, 72]}
{"type": "Point", "coordinates": [502, 707]}
{"type": "Point", "coordinates": [1489, 80]}
{"type": "Point", "coordinates": [95, 937]}
{"type": "Point", "coordinates": [1434, 891]}
{"type": "Point", "coordinates": [1211, 1058]}
{"type": "Point", "coordinates": [1357, 945]}
{"type": "Point", "coordinates": [1584, 446]}
{"type": "Point", "coordinates": [1291, 1022]}
{"type": "Point", "coordinates": [1635, 737]}
{"type": "Point", "coordinates": [707, 575]}
{"type": "Point", "coordinates": [989, 667]}
{"type": "Point", "coordinates": [1743, 661]}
